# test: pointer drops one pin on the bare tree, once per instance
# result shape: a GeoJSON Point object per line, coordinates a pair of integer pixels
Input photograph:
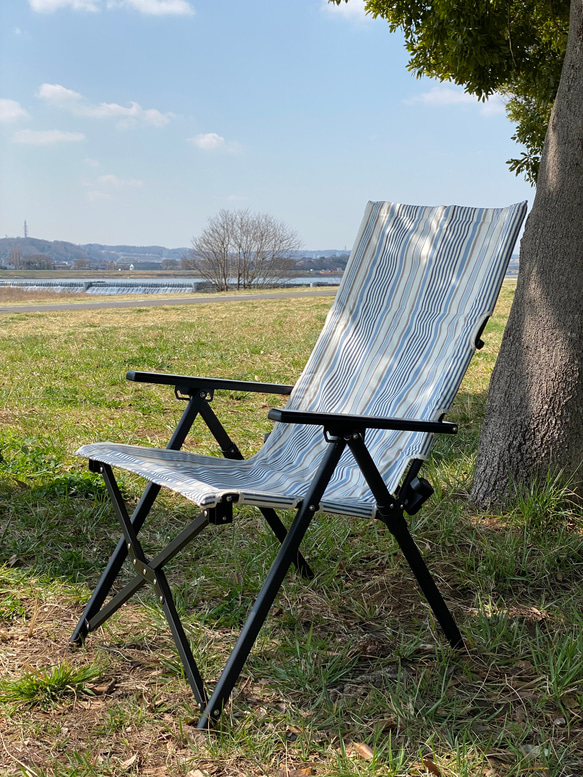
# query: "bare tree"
{"type": "Point", "coordinates": [243, 249]}
{"type": "Point", "coordinates": [210, 255]}
{"type": "Point", "coordinates": [274, 246]}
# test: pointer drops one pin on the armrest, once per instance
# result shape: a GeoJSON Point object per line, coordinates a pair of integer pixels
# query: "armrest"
{"type": "Point", "coordinates": [344, 423]}
{"type": "Point", "coordinates": [187, 384]}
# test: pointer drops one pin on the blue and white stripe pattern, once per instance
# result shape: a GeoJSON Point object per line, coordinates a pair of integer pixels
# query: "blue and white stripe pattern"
{"type": "Point", "coordinates": [397, 341]}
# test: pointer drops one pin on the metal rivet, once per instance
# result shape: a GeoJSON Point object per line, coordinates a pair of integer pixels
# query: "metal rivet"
{"type": "Point", "coordinates": [155, 581]}
{"type": "Point", "coordinates": [129, 545]}
{"type": "Point", "coordinates": [135, 561]}
{"type": "Point", "coordinates": [216, 713]}
{"type": "Point", "coordinates": [161, 600]}
{"type": "Point", "coordinates": [313, 508]}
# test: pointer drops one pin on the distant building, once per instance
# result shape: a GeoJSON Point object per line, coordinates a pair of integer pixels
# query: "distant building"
{"type": "Point", "coordinates": [33, 262]}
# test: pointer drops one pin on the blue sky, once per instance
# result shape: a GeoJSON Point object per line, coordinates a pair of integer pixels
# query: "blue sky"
{"type": "Point", "coordinates": [135, 121]}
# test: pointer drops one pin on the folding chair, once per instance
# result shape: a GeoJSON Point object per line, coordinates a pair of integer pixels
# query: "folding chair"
{"type": "Point", "coordinates": [418, 289]}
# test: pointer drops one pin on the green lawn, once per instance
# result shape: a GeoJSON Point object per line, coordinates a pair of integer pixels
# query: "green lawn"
{"type": "Point", "coordinates": [350, 675]}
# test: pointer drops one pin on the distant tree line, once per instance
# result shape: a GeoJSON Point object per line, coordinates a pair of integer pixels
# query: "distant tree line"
{"type": "Point", "coordinates": [325, 263]}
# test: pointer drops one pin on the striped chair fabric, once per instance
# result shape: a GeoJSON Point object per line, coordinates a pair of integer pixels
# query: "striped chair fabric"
{"type": "Point", "coordinates": [417, 289]}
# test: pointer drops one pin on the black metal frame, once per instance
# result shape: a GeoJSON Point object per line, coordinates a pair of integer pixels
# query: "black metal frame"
{"type": "Point", "coordinates": [340, 431]}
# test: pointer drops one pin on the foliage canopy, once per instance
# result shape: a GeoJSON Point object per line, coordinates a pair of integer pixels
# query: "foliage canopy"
{"type": "Point", "coordinates": [513, 47]}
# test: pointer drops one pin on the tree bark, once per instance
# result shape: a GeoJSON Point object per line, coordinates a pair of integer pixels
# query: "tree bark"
{"type": "Point", "coordinates": [534, 412]}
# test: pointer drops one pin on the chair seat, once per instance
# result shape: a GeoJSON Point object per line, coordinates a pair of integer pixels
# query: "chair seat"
{"type": "Point", "coordinates": [258, 481]}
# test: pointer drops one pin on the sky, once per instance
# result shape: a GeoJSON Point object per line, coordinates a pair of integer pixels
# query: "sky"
{"type": "Point", "coordinates": [135, 121]}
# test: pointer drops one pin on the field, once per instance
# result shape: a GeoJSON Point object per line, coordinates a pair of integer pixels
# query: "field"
{"type": "Point", "coordinates": [351, 675]}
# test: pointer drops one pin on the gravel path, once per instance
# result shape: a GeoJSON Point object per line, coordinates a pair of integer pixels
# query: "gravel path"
{"type": "Point", "coordinates": [108, 302]}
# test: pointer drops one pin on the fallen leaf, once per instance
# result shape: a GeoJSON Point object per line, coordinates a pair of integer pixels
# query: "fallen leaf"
{"type": "Point", "coordinates": [130, 761]}
{"type": "Point", "coordinates": [363, 750]}
{"type": "Point", "coordinates": [432, 767]}
{"type": "Point", "coordinates": [570, 700]}
{"type": "Point", "coordinates": [389, 722]}
{"type": "Point", "coordinates": [195, 773]}
{"type": "Point", "coordinates": [99, 690]}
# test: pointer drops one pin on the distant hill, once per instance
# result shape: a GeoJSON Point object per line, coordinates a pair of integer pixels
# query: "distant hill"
{"type": "Point", "coordinates": [95, 253]}
{"type": "Point", "coordinates": [58, 250]}
{"type": "Point", "coordinates": [98, 254]}
{"type": "Point", "coordinates": [149, 257]}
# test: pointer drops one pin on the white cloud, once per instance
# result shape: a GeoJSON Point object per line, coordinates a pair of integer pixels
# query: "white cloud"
{"type": "Point", "coordinates": [113, 180]}
{"type": "Point", "coordinates": [353, 9]}
{"type": "Point", "coordinates": [449, 95]}
{"type": "Point", "coordinates": [157, 7]}
{"type": "Point", "coordinates": [237, 198]}
{"type": "Point", "coordinates": [94, 195]}
{"type": "Point", "coordinates": [91, 162]}
{"type": "Point", "coordinates": [208, 142]}
{"type": "Point", "coordinates": [127, 117]}
{"type": "Point", "coordinates": [46, 137]}
{"type": "Point", "coordinates": [211, 141]}
{"type": "Point", "coordinates": [146, 7]}
{"type": "Point", "coordinates": [441, 95]}
{"type": "Point", "coordinates": [11, 111]}
{"type": "Point", "coordinates": [50, 6]}
{"type": "Point", "coordinates": [55, 93]}
{"type": "Point", "coordinates": [103, 187]}
{"type": "Point", "coordinates": [494, 106]}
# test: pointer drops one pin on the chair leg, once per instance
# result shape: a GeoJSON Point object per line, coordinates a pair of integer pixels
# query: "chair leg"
{"type": "Point", "coordinates": [391, 514]}
{"type": "Point", "coordinates": [277, 527]}
{"type": "Point", "coordinates": [112, 570]}
{"type": "Point", "coordinates": [121, 597]}
{"type": "Point", "coordinates": [287, 553]}
{"type": "Point", "coordinates": [154, 575]}
{"type": "Point", "coordinates": [426, 581]}
{"type": "Point", "coordinates": [180, 639]}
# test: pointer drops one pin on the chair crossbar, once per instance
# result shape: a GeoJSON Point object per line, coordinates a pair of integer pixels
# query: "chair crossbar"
{"type": "Point", "coordinates": [121, 597]}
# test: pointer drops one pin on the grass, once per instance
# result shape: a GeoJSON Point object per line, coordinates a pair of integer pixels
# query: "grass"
{"type": "Point", "coordinates": [46, 688]}
{"type": "Point", "coordinates": [350, 675]}
{"type": "Point", "coordinates": [16, 295]}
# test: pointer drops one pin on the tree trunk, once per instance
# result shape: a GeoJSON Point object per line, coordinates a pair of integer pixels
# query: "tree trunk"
{"type": "Point", "coordinates": [534, 412]}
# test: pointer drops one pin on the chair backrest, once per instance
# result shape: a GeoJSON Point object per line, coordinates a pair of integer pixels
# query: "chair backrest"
{"type": "Point", "coordinates": [417, 289]}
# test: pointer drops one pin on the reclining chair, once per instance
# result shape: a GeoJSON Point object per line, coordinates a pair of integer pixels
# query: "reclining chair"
{"type": "Point", "coordinates": [416, 294]}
